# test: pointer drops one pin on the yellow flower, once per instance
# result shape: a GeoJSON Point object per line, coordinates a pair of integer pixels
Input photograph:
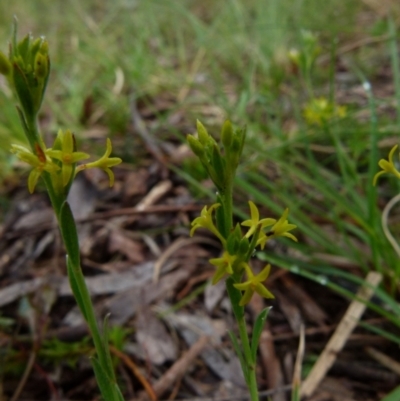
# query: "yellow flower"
{"type": "Point", "coordinates": [387, 166]}
{"type": "Point", "coordinates": [254, 220]}
{"type": "Point", "coordinates": [254, 284]}
{"type": "Point", "coordinates": [67, 155]}
{"type": "Point", "coordinates": [224, 266]}
{"type": "Point", "coordinates": [280, 229]}
{"type": "Point", "coordinates": [39, 162]}
{"type": "Point", "coordinates": [205, 220]}
{"type": "Point", "coordinates": [105, 162]}
{"type": "Point", "coordinates": [320, 110]}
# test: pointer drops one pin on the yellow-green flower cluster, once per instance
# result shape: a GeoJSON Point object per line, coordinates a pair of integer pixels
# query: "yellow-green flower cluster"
{"type": "Point", "coordinates": [320, 110]}
{"type": "Point", "coordinates": [387, 166]}
{"type": "Point", "coordinates": [236, 262]}
{"type": "Point", "coordinates": [60, 161]}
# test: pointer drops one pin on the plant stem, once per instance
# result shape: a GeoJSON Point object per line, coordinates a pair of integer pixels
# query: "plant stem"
{"type": "Point", "coordinates": [251, 369]}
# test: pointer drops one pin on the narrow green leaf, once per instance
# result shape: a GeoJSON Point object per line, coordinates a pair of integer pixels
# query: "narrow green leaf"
{"type": "Point", "coordinates": [75, 288]}
{"type": "Point", "coordinates": [394, 55]}
{"type": "Point", "coordinates": [257, 330]}
{"type": "Point", "coordinates": [391, 311]}
{"type": "Point", "coordinates": [106, 385]}
{"type": "Point", "coordinates": [69, 234]}
{"type": "Point", "coordinates": [119, 396]}
{"type": "Point", "coordinates": [380, 332]}
{"type": "Point", "coordinates": [239, 353]}
{"type": "Point", "coordinates": [32, 140]}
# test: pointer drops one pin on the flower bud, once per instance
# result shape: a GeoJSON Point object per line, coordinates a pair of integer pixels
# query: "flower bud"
{"type": "Point", "coordinates": [217, 161]}
{"type": "Point", "coordinates": [196, 146]}
{"type": "Point", "coordinates": [41, 67]}
{"type": "Point", "coordinates": [227, 134]}
{"type": "Point", "coordinates": [5, 65]}
{"type": "Point", "coordinates": [30, 66]}
{"type": "Point", "coordinates": [202, 132]}
{"type": "Point", "coordinates": [44, 47]}
{"type": "Point", "coordinates": [23, 48]}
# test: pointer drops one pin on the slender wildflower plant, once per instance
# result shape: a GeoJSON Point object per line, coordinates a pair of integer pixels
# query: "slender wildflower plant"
{"type": "Point", "coordinates": [27, 70]}
{"type": "Point", "coordinates": [234, 265]}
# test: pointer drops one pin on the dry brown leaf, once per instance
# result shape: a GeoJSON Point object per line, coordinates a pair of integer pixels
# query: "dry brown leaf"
{"type": "Point", "coordinates": [152, 336]}
{"type": "Point", "coordinates": [118, 242]}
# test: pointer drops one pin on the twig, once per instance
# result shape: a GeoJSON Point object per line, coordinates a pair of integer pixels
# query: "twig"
{"type": "Point", "coordinates": [129, 363]}
{"type": "Point", "coordinates": [341, 334]}
{"type": "Point", "coordinates": [25, 376]}
{"type": "Point", "coordinates": [175, 246]}
{"type": "Point", "coordinates": [384, 360]}
{"type": "Point", "coordinates": [180, 367]}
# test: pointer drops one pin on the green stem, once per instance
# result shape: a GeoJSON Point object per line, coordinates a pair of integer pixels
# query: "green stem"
{"type": "Point", "coordinates": [251, 369]}
{"type": "Point", "coordinates": [91, 319]}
